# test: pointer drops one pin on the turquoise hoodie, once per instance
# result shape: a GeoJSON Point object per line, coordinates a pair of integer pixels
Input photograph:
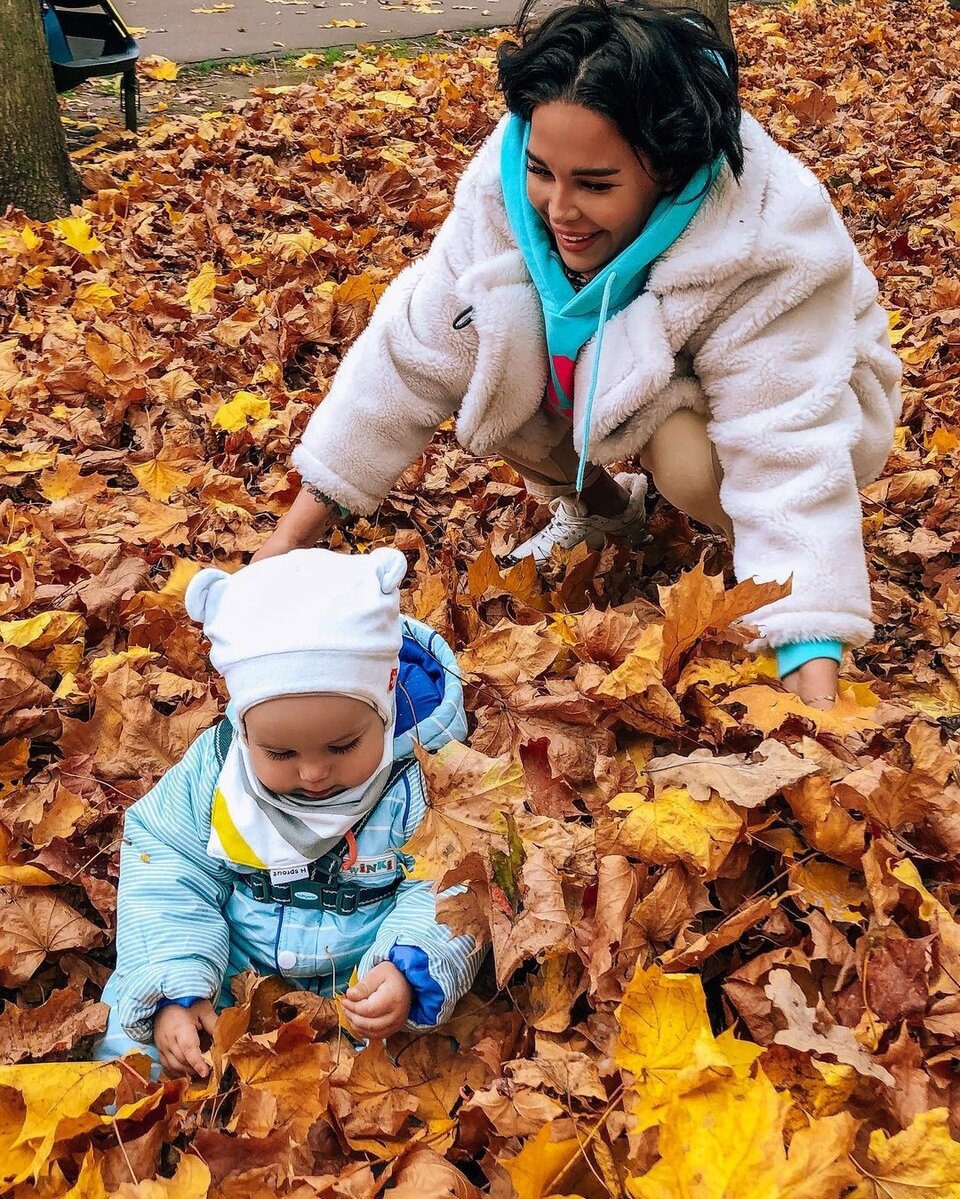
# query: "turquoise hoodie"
{"type": "Point", "coordinates": [572, 317]}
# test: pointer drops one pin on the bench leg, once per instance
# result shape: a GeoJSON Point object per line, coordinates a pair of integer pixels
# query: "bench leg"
{"type": "Point", "coordinates": [130, 98]}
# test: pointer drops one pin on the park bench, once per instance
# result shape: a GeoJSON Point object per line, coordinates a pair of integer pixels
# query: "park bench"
{"type": "Point", "coordinates": [87, 39]}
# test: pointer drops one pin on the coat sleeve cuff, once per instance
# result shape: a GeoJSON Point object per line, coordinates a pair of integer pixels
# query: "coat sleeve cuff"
{"type": "Point", "coordinates": [792, 657]}
{"type": "Point", "coordinates": [140, 994]}
{"type": "Point", "coordinates": [428, 995]}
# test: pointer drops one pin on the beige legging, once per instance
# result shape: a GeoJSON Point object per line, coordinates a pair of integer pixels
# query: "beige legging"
{"type": "Point", "coordinates": [679, 457]}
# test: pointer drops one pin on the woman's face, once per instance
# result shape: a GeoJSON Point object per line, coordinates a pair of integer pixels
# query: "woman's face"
{"type": "Point", "coordinates": [314, 746]}
{"type": "Point", "coordinates": [587, 183]}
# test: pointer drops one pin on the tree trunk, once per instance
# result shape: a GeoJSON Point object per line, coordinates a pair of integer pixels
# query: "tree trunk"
{"type": "Point", "coordinates": [719, 13]}
{"type": "Point", "coordinates": [717, 10]}
{"type": "Point", "coordinates": [35, 170]}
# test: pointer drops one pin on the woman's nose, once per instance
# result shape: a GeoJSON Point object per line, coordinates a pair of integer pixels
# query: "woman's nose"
{"type": "Point", "coordinates": [563, 208]}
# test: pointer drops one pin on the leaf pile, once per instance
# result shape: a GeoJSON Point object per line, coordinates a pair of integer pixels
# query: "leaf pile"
{"type": "Point", "coordinates": [725, 953]}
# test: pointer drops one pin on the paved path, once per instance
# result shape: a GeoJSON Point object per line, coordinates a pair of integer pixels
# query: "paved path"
{"type": "Point", "coordinates": [279, 26]}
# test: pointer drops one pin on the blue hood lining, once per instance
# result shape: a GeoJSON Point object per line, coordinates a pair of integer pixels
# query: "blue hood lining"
{"type": "Point", "coordinates": [420, 686]}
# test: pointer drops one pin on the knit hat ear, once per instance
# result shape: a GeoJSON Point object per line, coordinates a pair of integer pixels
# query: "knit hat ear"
{"type": "Point", "coordinates": [204, 594]}
{"type": "Point", "coordinates": [391, 566]}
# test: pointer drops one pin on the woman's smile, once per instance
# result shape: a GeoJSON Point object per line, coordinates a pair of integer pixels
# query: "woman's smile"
{"type": "Point", "coordinates": [575, 243]}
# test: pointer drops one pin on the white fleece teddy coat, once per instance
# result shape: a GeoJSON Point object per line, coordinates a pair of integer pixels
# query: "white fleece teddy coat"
{"type": "Point", "coordinates": [761, 315]}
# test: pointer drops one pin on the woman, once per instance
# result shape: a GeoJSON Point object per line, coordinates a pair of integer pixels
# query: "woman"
{"type": "Point", "coordinates": [632, 268]}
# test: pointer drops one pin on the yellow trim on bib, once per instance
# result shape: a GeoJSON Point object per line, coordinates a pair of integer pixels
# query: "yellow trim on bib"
{"type": "Point", "coordinates": [232, 840]}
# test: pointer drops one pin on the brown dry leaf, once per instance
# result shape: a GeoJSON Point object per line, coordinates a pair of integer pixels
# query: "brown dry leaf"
{"type": "Point", "coordinates": [52, 1027]}
{"type": "Point", "coordinates": [375, 1101]}
{"type": "Point", "coordinates": [697, 603]}
{"type": "Point", "coordinates": [423, 1172]}
{"type": "Point", "coordinates": [469, 795]}
{"type": "Point", "coordinates": [746, 780]}
{"type": "Point", "coordinates": [510, 654]}
{"type": "Point", "coordinates": [33, 924]}
{"type": "Point", "coordinates": [811, 1030]}
{"type": "Point", "coordinates": [283, 1081]}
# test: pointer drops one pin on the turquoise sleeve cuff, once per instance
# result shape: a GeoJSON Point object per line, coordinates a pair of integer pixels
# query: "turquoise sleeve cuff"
{"type": "Point", "coordinates": [792, 657]}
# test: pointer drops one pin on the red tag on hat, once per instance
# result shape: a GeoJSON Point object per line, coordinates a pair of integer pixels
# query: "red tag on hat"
{"type": "Point", "coordinates": [393, 679]}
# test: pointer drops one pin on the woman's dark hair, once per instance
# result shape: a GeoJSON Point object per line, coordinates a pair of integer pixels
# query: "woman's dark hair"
{"type": "Point", "coordinates": [662, 75]}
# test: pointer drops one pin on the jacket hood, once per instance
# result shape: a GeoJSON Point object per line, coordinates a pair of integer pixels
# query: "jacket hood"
{"type": "Point", "coordinates": [430, 708]}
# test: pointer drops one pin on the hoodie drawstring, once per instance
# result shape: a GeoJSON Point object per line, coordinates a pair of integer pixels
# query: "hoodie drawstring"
{"type": "Point", "coordinates": [588, 407]}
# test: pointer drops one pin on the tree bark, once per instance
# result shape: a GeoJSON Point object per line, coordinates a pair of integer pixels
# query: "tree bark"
{"type": "Point", "coordinates": [717, 10]}
{"type": "Point", "coordinates": [35, 170]}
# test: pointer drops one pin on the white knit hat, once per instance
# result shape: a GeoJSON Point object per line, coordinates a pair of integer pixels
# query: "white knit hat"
{"type": "Point", "coordinates": [305, 622]}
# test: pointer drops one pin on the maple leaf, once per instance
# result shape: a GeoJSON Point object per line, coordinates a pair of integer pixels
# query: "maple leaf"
{"type": "Point", "coordinates": [376, 1101]}
{"type": "Point", "coordinates": [695, 1136]}
{"type": "Point", "coordinates": [809, 1030]}
{"type": "Point", "coordinates": [675, 827]}
{"type": "Point", "coordinates": [51, 1027]}
{"type": "Point", "coordinates": [468, 796]}
{"type": "Point", "coordinates": [665, 1041]}
{"type": "Point", "coordinates": [283, 1080]}
{"type": "Point", "coordinates": [922, 1162]}
{"type": "Point", "coordinates": [541, 1163]}
{"type": "Point", "coordinates": [36, 923]}
{"type": "Point", "coordinates": [697, 603]}
{"type": "Point", "coordinates": [745, 781]}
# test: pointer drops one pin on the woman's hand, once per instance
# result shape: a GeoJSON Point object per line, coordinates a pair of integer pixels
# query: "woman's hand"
{"type": "Point", "coordinates": [176, 1033]}
{"type": "Point", "coordinates": [308, 518]}
{"type": "Point", "coordinates": [379, 1004]}
{"type": "Point", "coordinates": [815, 682]}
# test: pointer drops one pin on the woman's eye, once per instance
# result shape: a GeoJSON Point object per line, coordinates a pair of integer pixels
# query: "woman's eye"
{"type": "Point", "coordinates": [597, 187]}
{"type": "Point", "coordinates": [540, 171]}
{"type": "Point", "coordinates": [345, 749]}
{"type": "Point", "coordinates": [279, 756]}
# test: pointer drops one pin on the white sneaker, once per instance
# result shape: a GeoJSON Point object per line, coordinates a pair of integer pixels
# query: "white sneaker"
{"type": "Point", "coordinates": [571, 523]}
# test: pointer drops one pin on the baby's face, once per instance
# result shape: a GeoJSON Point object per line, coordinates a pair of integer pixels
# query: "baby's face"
{"type": "Point", "coordinates": [314, 746]}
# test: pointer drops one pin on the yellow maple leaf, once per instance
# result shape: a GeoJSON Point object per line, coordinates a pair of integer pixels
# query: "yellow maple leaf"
{"type": "Point", "coordinates": [99, 296]}
{"type": "Point", "coordinates": [200, 289]}
{"type": "Point", "coordinates": [337, 23]}
{"type": "Point", "coordinates": [244, 408]}
{"type": "Point", "coordinates": [159, 478]}
{"type": "Point", "coordinates": [77, 234]}
{"type": "Point", "coordinates": [666, 1042]}
{"type": "Point", "coordinates": [41, 631]}
{"type": "Point", "coordinates": [55, 1094]}
{"type": "Point", "coordinates": [831, 888]}
{"type": "Point", "coordinates": [675, 827]}
{"type": "Point", "coordinates": [541, 1163]}
{"type": "Point", "coordinates": [158, 67]}
{"type": "Point", "coordinates": [922, 1162]}
{"type": "Point", "coordinates": [107, 663]}
{"type": "Point", "coordinates": [307, 62]}
{"type": "Point", "coordinates": [26, 463]}
{"type": "Point", "coordinates": [396, 99]}
{"type": "Point", "coordinates": [640, 669]}
{"type": "Point", "coordinates": [720, 1143]}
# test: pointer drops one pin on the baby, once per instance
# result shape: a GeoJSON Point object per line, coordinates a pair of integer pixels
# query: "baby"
{"type": "Point", "coordinates": [275, 844]}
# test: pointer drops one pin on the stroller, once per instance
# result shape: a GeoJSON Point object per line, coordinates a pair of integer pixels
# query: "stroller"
{"type": "Point", "coordinates": [87, 38]}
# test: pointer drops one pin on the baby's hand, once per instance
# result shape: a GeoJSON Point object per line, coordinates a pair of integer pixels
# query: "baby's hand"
{"type": "Point", "coordinates": [176, 1033]}
{"type": "Point", "coordinates": [379, 1004]}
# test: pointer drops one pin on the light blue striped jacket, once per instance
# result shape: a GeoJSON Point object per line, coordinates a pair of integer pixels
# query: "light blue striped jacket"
{"type": "Point", "coordinates": [183, 928]}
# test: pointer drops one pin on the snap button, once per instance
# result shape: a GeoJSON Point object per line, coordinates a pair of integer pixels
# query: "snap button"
{"type": "Point", "coordinates": [286, 959]}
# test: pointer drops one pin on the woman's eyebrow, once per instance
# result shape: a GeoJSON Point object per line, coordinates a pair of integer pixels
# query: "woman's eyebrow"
{"type": "Point", "coordinates": [595, 172]}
